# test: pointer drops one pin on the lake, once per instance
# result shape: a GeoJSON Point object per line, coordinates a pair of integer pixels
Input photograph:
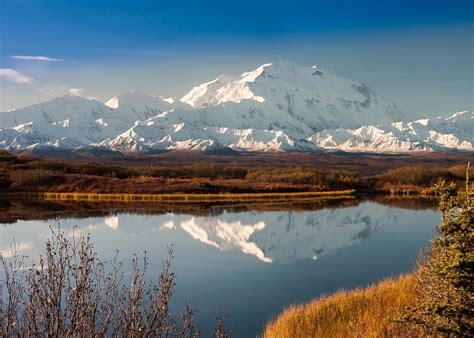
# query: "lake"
{"type": "Point", "coordinates": [248, 262]}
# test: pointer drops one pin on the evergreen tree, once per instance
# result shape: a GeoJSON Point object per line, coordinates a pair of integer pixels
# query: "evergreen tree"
{"type": "Point", "coordinates": [446, 273]}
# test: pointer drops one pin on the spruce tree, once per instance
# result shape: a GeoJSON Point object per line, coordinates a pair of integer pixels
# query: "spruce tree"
{"type": "Point", "coordinates": [446, 273]}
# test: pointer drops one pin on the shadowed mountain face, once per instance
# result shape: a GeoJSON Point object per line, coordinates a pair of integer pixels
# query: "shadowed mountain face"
{"type": "Point", "coordinates": [276, 107]}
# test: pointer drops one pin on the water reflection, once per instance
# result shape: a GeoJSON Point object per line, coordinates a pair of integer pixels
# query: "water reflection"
{"type": "Point", "coordinates": [248, 264]}
{"type": "Point", "coordinates": [271, 237]}
{"type": "Point", "coordinates": [284, 237]}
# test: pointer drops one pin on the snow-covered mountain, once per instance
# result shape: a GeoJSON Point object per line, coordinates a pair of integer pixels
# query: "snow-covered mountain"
{"type": "Point", "coordinates": [312, 96]}
{"type": "Point", "coordinates": [276, 107]}
{"type": "Point", "coordinates": [438, 134]}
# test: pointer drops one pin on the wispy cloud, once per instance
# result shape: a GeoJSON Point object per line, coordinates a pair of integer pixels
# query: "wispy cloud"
{"type": "Point", "coordinates": [53, 90]}
{"type": "Point", "coordinates": [60, 90]}
{"type": "Point", "coordinates": [15, 76]}
{"type": "Point", "coordinates": [36, 58]}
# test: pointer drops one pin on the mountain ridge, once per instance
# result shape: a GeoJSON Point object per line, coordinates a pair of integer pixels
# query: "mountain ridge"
{"type": "Point", "coordinates": [275, 107]}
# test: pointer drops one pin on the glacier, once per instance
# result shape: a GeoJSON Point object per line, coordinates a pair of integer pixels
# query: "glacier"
{"type": "Point", "coordinates": [275, 107]}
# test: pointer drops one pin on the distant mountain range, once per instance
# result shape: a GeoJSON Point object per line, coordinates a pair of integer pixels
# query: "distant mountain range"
{"type": "Point", "coordinates": [276, 107]}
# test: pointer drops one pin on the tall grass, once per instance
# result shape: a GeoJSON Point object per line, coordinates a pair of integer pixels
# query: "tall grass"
{"type": "Point", "coordinates": [186, 198]}
{"type": "Point", "coordinates": [368, 312]}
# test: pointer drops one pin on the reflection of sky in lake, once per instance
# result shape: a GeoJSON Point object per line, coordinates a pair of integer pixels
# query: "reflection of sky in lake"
{"type": "Point", "coordinates": [252, 264]}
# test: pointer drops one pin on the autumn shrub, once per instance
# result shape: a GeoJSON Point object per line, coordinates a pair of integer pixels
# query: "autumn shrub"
{"type": "Point", "coordinates": [93, 169]}
{"type": "Point", "coordinates": [47, 165]}
{"type": "Point", "coordinates": [198, 170]}
{"type": "Point", "coordinates": [32, 177]}
{"type": "Point", "coordinates": [459, 172]}
{"type": "Point", "coordinates": [97, 169]}
{"type": "Point", "coordinates": [415, 176]}
{"type": "Point", "coordinates": [323, 179]}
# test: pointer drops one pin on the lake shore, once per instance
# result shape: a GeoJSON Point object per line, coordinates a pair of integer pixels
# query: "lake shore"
{"type": "Point", "coordinates": [183, 198]}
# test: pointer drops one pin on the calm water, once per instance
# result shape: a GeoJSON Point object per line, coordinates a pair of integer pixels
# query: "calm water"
{"type": "Point", "coordinates": [252, 264]}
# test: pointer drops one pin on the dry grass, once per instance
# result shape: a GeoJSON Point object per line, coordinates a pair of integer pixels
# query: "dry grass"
{"type": "Point", "coordinates": [368, 312]}
{"type": "Point", "coordinates": [192, 198]}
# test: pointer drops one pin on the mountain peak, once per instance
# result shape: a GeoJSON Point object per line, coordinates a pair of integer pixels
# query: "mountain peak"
{"type": "Point", "coordinates": [225, 88]}
{"type": "Point", "coordinates": [271, 76]}
{"type": "Point", "coordinates": [311, 95]}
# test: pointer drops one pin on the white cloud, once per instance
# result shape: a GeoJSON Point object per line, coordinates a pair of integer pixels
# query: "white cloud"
{"type": "Point", "coordinates": [36, 58]}
{"type": "Point", "coordinates": [76, 91]}
{"type": "Point", "coordinates": [15, 76]}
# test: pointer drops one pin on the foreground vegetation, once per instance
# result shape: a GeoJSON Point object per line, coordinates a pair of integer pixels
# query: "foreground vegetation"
{"type": "Point", "coordinates": [445, 273]}
{"type": "Point", "coordinates": [71, 292]}
{"type": "Point", "coordinates": [436, 300]}
{"type": "Point", "coordinates": [20, 174]}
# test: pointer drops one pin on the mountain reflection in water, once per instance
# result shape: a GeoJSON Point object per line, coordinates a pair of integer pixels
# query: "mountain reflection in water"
{"type": "Point", "coordinates": [270, 236]}
{"type": "Point", "coordinates": [247, 261]}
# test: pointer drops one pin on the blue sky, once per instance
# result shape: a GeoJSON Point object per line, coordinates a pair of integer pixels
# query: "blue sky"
{"type": "Point", "coordinates": [420, 52]}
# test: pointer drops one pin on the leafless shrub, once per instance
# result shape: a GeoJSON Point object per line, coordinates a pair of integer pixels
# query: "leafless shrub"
{"type": "Point", "coordinates": [220, 330]}
{"type": "Point", "coordinates": [70, 292]}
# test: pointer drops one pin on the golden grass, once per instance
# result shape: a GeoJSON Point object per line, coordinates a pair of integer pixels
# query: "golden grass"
{"type": "Point", "coordinates": [190, 198]}
{"type": "Point", "coordinates": [367, 312]}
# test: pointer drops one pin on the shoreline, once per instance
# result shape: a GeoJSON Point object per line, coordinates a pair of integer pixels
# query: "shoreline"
{"type": "Point", "coordinates": [264, 197]}
{"type": "Point", "coordinates": [214, 197]}
{"type": "Point", "coordinates": [183, 198]}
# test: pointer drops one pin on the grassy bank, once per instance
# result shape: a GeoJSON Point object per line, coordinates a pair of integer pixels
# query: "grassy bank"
{"type": "Point", "coordinates": [188, 198]}
{"type": "Point", "coordinates": [367, 312]}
